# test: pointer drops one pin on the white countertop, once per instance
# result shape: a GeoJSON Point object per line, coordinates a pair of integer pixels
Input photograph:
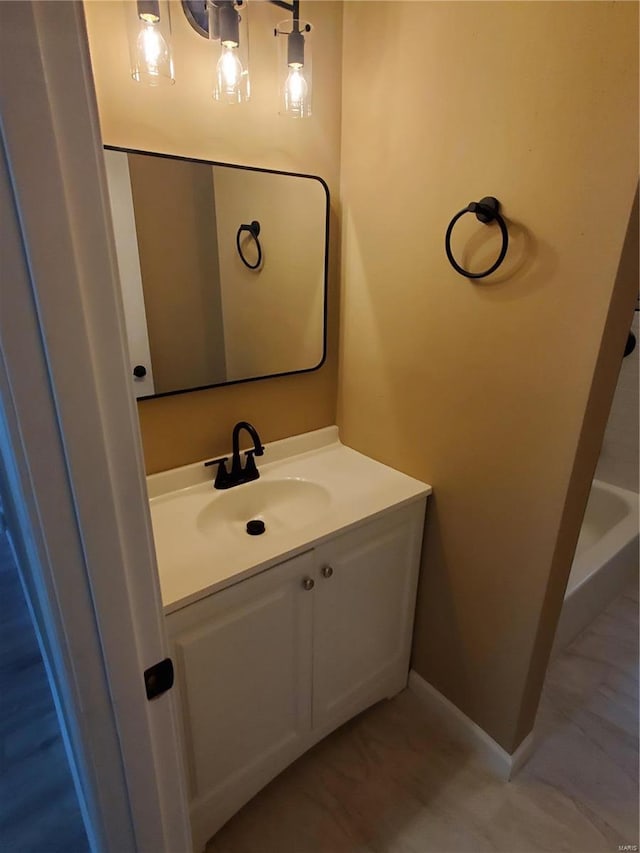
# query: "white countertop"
{"type": "Point", "coordinates": [193, 563]}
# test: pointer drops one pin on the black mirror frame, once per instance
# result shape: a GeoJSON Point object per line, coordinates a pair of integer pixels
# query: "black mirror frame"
{"type": "Point", "coordinates": [323, 183]}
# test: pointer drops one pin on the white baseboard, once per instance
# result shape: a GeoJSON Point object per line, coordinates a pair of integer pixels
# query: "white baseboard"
{"type": "Point", "coordinates": [501, 763]}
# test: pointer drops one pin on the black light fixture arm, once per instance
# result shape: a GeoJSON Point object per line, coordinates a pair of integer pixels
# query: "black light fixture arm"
{"type": "Point", "coordinates": [196, 12]}
{"type": "Point", "coordinates": [294, 7]}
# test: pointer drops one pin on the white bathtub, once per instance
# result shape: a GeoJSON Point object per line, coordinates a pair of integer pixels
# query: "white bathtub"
{"type": "Point", "coordinates": [606, 558]}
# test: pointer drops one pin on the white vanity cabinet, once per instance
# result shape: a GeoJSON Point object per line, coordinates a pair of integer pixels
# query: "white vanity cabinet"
{"type": "Point", "coordinates": [363, 614]}
{"type": "Point", "coordinates": [243, 672]}
{"type": "Point", "coordinates": [268, 666]}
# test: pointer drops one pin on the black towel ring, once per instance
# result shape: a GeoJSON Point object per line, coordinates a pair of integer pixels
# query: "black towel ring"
{"type": "Point", "coordinates": [630, 344]}
{"type": "Point", "coordinates": [254, 230]}
{"type": "Point", "coordinates": [486, 210]}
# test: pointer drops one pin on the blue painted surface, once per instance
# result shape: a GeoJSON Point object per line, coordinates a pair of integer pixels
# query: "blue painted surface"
{"type": "Point", "coordinates": [39, 811]}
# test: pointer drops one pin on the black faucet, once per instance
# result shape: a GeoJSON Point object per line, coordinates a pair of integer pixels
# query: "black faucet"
{"type": "Point", "coordinates": [238, 475]}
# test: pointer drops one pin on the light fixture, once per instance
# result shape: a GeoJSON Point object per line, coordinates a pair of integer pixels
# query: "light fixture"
{"type": "Point", "coordinates": [232, 69]}
{"type": "Point", "coordinates": [149, 31]}
{"type": "Point", "coordinates": [294, 63]}
{"type": "Point", "coordinates": [226, 21]}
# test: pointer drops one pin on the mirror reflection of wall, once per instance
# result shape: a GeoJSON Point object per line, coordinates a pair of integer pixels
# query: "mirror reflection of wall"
{"type": "Point", "coordinates": [175, 221]}
{"type": "Point", "coordinates": [196, 315]}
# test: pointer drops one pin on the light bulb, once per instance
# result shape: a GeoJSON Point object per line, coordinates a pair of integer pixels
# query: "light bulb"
{"type": "Point", "coordinates": [295, 91]}
{"type": "Point", "coordinates": [153, 55]}
{"type": "Point", "coordinates": [229, 73]}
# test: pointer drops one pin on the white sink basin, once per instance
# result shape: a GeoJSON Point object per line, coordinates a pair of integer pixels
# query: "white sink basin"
{"type": "Point", "coordinates": [283, 504]}
{"type": "Point", "coordinates": [310, 487]}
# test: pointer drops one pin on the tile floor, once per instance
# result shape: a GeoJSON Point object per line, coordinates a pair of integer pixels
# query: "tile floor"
{"type": "Point", "coordinates": [390, 782]}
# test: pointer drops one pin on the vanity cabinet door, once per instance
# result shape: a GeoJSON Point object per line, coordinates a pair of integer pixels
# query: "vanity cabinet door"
{"type": "Point", "coordinates": [363, 614]}
{"type": "Point", "coordinates": [243, 663]}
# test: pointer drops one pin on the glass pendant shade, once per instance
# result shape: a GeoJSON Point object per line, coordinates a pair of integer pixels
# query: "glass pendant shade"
{"type": "Point", "coordinates": [294, 68]}
{"type": "Point", "coordinates": [228, 26]}
{"type": "Point", "coordinates": [149, 33]}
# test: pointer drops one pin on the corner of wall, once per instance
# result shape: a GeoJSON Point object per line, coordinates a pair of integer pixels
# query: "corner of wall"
{"type": "Point", "coordinates": [603, 386]}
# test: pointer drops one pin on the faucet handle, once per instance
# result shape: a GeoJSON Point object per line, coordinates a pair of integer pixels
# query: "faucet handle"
{"type": "Point", "coordinates": [222, 475]}
{"type": "Point", "coordinates": [215, 461]}
{"type": "Point", "coordinates": [250, 469]}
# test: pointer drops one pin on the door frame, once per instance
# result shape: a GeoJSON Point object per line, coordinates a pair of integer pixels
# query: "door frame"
{"type": "Point", "coordinates": [71, 443]}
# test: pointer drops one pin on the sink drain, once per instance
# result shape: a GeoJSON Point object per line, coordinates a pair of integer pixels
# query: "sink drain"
{"type": "Point", "coordinates": [255, 527]}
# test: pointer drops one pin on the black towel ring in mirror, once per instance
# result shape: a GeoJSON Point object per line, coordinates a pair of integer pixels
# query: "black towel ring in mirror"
{"type": "Point", "coordinates": [254, 230]}
{"type": "Point", "coordinates": [486, 210]}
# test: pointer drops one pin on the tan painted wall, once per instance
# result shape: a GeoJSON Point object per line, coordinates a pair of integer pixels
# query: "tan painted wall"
{"type": "Point", "coordinates": [273, 316]}
{"type": "Point", "coordinates": [176, 230]}
{"type": "Point", "coordinates": [184, 119]}
{"type": "Point", "coordinates": [481, 389]}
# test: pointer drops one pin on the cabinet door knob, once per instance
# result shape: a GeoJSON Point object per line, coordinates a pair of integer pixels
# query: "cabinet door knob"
{"type": "Point", "coordinates": [308, 583]}
{"type": "Point", "coordinates": [327, 571]}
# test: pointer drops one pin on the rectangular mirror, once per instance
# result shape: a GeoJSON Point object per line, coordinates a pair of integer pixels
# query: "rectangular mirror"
{"type": "Point", "coordinates": [223, 270]}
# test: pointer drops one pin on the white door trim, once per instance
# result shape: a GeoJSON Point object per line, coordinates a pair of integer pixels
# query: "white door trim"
{"type": "Point", "coordinates": [41, 526]}
{"type": "Point", "coordinates": [54, 153]}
